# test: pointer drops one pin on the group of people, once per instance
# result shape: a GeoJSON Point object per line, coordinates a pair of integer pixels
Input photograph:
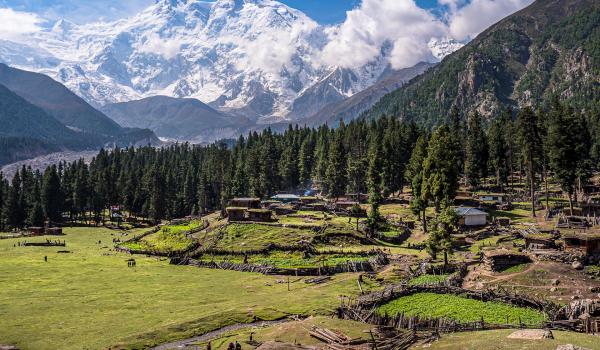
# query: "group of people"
{"type": "Point", "coordinates": [232, 346]}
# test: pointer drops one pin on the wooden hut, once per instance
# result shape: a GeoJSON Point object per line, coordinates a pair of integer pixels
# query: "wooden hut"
{"type": "Point", "coordinates": [586, 243]}
{"type": "Point", "coordinates": [502, 259]}
{"type": "Point", "coordinates": [248, 203]}
{"type": "Point", "coordinates": [260, 215]}
{"type": "Point", "coordinates": [503, 221]}
{"type": "Point", "coordinates": [36, 231]}
{"type": "Point", "coordinates": [345, 205]}
{"type": "Point", "coordinates": [54, 231]}
{"type": "Point", "coordinates": [539, 241]}
{"type": "Point", "coordinates": [236, 213]}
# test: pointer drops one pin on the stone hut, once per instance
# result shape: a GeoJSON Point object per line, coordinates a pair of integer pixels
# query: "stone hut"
{"type": "Point", "coordinates": [586, 243]}
{"type": "Point", "coordinates": [54, 231]}
{"type": "Point", "coordinates": [236, 214]}
{"type": "Point", "coordinates": [502, 259]}
{"type": "Point", "coordinates": [260, 215]}
{"type": "Point", "coordinates": [345, 205]}
{"type": "Point", "coordinates": [539, 241]}
{"type": "Point", "coordinates": [36, 231]}
{"type": "Point", "coordinates": [248, 203]}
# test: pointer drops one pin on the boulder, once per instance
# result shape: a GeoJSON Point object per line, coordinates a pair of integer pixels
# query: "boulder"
{"type": "Point", "coordinates": [577, 265]}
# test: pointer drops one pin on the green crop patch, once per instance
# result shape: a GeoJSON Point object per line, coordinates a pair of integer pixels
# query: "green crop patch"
{"type": "Point", "coordinates": [247, 237]}
{"type": "Point", "coordinates": [428, 279]}
{"type": "Point", "coordinates": [289, 260]}
{"type": "Point", "coordinates": [460, 309]}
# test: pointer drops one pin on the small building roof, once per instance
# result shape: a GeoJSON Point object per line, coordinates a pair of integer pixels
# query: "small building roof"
{"type": "Point", "coordinates": [469, 211]}
{"type": "Point", "coordinates": [259, 211]}
{"type": "Point", "coordinates": [246, 199]}
{"type": "Point", "coordinates": [582, 236]}
{"type": "Point", "coordinates": [236, 209]}
{"type": "Point", "coordinates": [285, 196]}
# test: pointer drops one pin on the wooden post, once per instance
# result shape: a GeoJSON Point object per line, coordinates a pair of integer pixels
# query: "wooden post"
{"type": "Point", "coordinates": [288, 283]}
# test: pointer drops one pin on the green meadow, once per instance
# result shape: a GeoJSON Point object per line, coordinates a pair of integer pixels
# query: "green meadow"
{"type": "Point", "coordinates": [90, 299]}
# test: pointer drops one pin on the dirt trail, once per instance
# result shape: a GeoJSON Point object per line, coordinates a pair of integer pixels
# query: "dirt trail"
{"type": "Point", "coordinates": [188, 343]}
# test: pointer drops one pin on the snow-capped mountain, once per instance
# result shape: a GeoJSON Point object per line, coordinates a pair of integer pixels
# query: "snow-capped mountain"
{"type": "Point", "coordinates": [250, 57]}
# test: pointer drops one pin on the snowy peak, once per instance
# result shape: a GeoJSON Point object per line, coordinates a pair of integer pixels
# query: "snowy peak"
{"type": "Point", "coordinates": [250, 57]}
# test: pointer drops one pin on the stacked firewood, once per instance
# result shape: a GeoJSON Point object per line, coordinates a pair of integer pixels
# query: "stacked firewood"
{"type": "Point", "coordinates": [381, 339]}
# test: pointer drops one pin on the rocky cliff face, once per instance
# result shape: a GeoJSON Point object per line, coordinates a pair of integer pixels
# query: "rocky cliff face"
{"type": "Point", "coordinates": [548, 49]}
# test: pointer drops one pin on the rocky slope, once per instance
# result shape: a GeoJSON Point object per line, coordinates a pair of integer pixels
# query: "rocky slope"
{"type": "Point", "coordinates": [550, 48]}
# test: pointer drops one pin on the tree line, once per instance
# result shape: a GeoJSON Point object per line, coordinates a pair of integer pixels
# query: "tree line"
{"type": "Point", "coordinates": [376, 157]}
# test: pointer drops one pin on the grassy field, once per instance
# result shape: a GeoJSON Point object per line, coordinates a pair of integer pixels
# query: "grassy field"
{"type": "Point", "coordinates": [90, 299]}
{"type": "Point", "coordinates": [460, 309]}
{"type": "Point", "coordinates": [171, 238]}
{"type": "Point", "coordinates": [493, 340]}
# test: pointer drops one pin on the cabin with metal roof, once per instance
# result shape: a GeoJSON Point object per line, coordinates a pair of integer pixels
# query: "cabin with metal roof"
{"type": "Point", "coordinates": [471, 216]}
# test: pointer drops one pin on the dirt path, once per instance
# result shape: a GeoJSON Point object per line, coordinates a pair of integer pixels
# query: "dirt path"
{"type": "Point", "coordinates": [188, 344]}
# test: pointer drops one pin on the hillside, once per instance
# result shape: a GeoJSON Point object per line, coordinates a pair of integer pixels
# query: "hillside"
{"type": "Point", "coordinates": [41, 116]}
{"type": "Point", "coordinates": [177, 118]}
{"type": "Point", "coordinates": [549, 48]}
{"type": "Point", "coordinates": [28, 131]}
{"type": "Point", "coordinates": [58, 101]}
{"type": "Point", "coordinates": [350, 108]}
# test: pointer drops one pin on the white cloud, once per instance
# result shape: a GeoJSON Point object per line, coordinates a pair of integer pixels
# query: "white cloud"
{"type": "Point", "coordinates": [167, 48]}
{"type": "Point", "coordinates": [270, 50]}
{"type": "Point", "coordinates": [473, 18]}
{"type": "Point", "coordinates": [15, 25]}
{"type": "Point", "coordinates": [375, 22]}
{"type": "Point", "coordinates": [409, 29]}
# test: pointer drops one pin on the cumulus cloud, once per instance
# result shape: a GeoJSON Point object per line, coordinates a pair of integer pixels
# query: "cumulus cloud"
{"type": "Point", "coordinates": [15, 25]}
{"type": "Point", "coordinates": [403, 24]}
{"type": "Point", "coordinates": [471, 19]}
{"type": "Point", "coordinates": [270, 50]}
{"type": "Point", "coordinates": [167, 48]}
{"type": "Point", "coordinates": [409, 29]}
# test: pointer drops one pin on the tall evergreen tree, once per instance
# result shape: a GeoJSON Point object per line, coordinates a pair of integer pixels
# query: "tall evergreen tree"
{"type": "Point", "coordinates": [335, 174]}
{"type": "Point", "coordinates": [52, 197]}
{"type": "Point", "coordinates": [530, 144]}
{"type": "Point", "coordinates": [476, 153]}
{"type": "Point", "coordinates": [568, 148]}
{"type": "Point", "coordinates": [414, 175]}
{"type": "Point", "coordinates": [440, 169]}
{"type": "Point", "coordinates": [499, 153]}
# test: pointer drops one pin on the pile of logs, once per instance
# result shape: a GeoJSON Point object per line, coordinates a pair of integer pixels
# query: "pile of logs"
{"type": "Point", "coordinates": [381, 339]}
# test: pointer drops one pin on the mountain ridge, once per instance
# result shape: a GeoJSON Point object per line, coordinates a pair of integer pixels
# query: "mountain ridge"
{"type": "Point", "coordinates": [547, 49]}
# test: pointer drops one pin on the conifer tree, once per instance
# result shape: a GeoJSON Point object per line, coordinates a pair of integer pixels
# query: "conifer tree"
{"type": "Point", "coordinates": [568, 148]}
{"type": "Point", "coordinates": [335, 173]}
{"type": "Point", "coordinates": [476, 152]}
{"type": "Point", "coordinates": [499, 152]}
{"type": "Point", "coordinates": [530, 145]}
{"type": "Point", "coordinates": [440, 238]}
{"type": "Point", "coordinates": [414, 175]}
{"type": "Point", "coordinates": [52, 197]}
{"type": "Point", "coordinates": [440, 169]}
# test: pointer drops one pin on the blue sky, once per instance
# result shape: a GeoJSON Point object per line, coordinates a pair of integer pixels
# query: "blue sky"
{"type": "Point", "coordinates": [82, 11]}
